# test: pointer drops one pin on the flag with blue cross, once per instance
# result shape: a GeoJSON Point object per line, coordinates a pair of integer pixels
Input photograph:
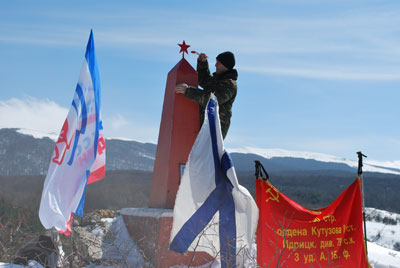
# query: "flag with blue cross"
{"type": "Point", "coordinates": [212, 212]}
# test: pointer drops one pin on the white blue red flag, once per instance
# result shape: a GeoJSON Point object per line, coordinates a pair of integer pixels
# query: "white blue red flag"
{"type": "Point", "coordinates": [212, 212]}
{"type": "Point", "coordinates": [79, 154]}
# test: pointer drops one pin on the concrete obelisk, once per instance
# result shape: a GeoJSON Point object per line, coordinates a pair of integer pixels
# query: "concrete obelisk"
{"type": "Point", "coordinates": [150, 227]}
{"type": "Point", "coordinates": [180, 124]}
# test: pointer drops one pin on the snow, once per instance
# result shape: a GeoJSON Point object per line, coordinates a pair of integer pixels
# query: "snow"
{"type": "Point", "coordinates": [380, 257]}
{"type": "Point", "coordinates": [369, 165]}
{"type": "Point", "coordinates": [31, 264]}
{"type": "Point", "coordinates": [38, 134]}
{"type": "Point", "coordinates": [121, 247]}
{"type": "Point", "coordinates": [147, 156]}
{"type": "Point", "coordinates": [127, 139]}
{"type": "Point", "coordinates": [380, 233]}
{"type": "Point", "coordinates": [380, 253]}
{"type": "Point", "coordinates": [390, 167]}
{"type": "Point", "coordinates": [383, 235]}
{"type": "Point", "coordinates": [380, 250]}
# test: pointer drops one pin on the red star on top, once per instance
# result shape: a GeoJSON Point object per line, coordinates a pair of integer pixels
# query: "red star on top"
{"type": "Point", "coordinates": [184, 48]}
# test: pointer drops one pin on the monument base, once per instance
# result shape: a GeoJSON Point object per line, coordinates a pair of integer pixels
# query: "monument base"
{"type": "Point", "coordinates": [150, 228]}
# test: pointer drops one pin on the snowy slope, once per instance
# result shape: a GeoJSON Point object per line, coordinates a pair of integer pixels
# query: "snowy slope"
{"type": "Point", "coordinates": [38, 134]}
{"type": "Point", "coordinates": [383, 228]}
{"type": "Point", "coordinates": [380, 257]}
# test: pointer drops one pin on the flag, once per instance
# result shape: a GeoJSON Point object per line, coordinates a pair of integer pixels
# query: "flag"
{"type": "Point", "coordinates": [79, 154]}
{"type": "Point", "coordinates": [290, 235]}
{"type": "Point", "coordinates": [212, 212]}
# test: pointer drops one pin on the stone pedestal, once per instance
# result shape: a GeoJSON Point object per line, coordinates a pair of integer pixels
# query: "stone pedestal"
{"type": "Point", "coordinates": [150, 228]}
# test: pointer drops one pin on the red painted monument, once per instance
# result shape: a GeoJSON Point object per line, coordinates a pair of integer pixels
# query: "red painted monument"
{"type": "Point", "coordinates": [180, 124]}
{"type": "Point", "coordinates": [150, 227]}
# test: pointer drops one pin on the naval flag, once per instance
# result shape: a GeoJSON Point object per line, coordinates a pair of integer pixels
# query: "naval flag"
{"type": "Point", "coordinates": [212, 212]}
{"type": "Point", "coordinates": [79, 154]}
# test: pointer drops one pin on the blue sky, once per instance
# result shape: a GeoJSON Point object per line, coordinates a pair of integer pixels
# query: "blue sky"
{"type": "Point", "coordinates": [320, 76]}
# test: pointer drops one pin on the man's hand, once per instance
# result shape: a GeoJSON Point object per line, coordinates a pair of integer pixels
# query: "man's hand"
{"type": "Point", "coordinates": [202, 57]}
{"type": "Point", "coordinates": [181, 88]}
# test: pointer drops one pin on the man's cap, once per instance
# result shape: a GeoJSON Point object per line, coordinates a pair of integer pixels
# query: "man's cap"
{"type": "Point", "coordinates": [227, 59]}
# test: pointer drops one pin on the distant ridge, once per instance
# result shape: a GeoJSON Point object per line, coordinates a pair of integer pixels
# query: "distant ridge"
{"type": "Point", "coordinates": [22, 154]}
{"type": "Point", "coordinates": [314, 183]}
{"type": "Point", "coordinates": [27, 152]}
{"type": "Point", "coordinates": [333, 161]}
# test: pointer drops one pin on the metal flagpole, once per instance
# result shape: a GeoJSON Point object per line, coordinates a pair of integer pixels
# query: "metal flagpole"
{"type": "Point", "coordinates": [259, 168]}
{"type": "Point", "coordinates": [360, 165]}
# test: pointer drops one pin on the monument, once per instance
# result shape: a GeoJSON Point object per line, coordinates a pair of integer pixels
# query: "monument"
{"type": "Point", "coordinates": [180, 123]}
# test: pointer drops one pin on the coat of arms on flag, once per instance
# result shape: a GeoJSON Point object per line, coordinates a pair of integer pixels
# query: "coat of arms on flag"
{"type": "Point", "coordinates": [212, 212]}
{"type": "Point", "coordinates": [79, 154]}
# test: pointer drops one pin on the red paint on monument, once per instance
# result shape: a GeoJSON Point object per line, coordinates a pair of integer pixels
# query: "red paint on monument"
{"type": "Point", "coordinates": [151, 227]}
{"type": "Point", "coordinates": [180, 124]}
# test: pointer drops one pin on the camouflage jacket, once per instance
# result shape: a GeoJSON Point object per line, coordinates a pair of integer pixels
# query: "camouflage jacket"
{"type": "Point", "coordinates": [224, 88]}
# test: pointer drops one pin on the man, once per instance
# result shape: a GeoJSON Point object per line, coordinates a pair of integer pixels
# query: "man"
{"type": "Point", "coordinates": [222, 83]}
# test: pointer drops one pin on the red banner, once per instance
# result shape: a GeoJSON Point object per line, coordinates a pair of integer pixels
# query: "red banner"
{"type": "Point", "coordinates": [289, 235]}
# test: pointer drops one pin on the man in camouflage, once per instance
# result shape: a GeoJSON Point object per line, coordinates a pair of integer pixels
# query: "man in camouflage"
{"type": "Point", "coordinates": [222, 83]}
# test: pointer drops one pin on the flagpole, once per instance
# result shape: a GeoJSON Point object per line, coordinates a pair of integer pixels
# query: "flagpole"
{"type": "Point", "coordinates": [258, 173]}
{"type": "Point", "coordinates": [260, 233]}
{"type": "Point", "coordinates": [360, 165]}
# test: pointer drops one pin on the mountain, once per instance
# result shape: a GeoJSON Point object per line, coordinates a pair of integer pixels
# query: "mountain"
{"type": "Point", "coordinates": [299, 160]}
{"type": "Point", "coordinates": [313, 180]}
{"type": "Point", "coordinates": [23, 154]}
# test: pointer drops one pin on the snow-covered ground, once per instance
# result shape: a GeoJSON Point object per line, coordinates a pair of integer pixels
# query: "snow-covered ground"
{"type": "Point", "coordinates": [380, 257]}
{"type": "Point", "coordinates": [31, 264]}
{"type": "Point", "coordinates": [383, 230]}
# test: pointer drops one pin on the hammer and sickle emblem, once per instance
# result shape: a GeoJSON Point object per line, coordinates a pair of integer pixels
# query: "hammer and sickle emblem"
{"type": "Point", "coordinates": [272, 197]}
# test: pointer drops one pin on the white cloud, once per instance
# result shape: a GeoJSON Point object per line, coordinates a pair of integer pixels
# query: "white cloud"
{"type": "Point", "coordinates": [352, 45]}
{"type": "Point", "coordinates": [321, 73]}
{"type": "Point", "coordinates": [117, 126]}
{"type": "Point", "coordinates": [338, 30]}
{"type": "Point", "coordinates": [352, 33]}
{"type": "Point", "coordinates": [117, 122]}
{"type": "Point", "coordinates": [43, 116]}
{"type": "Point", "coordinates": [380, 150]}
